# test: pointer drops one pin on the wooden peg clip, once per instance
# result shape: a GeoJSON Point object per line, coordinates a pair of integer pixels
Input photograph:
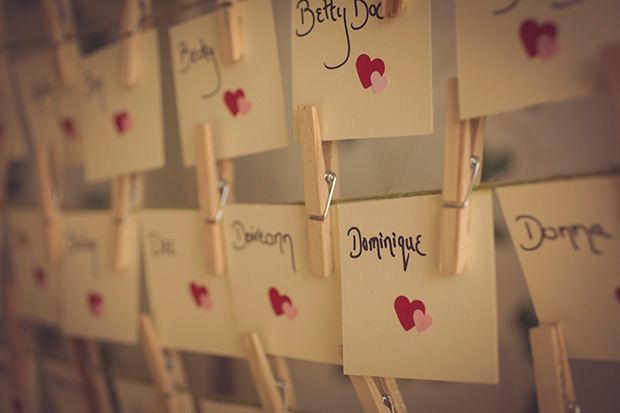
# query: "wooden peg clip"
{"type": "Point", "coordinates": [394, 7]}
{"type": "Point", "coordinates": [229, 27]}
{"type": "Point", "coordinates": [554, 382]}
{"type": "Point", "coordinates": [126, 194]}
{"type": "Point", "coordinates": [275, 391]}
{"type": "Point", "coordinates": [212, 196]}
{"type": "Point", "coordinates": [13, 334]}
{"type": "Point", "coordinates": [86, 359]}
{"type": "Point", "coordinates": [611, 73]}
{"type": "Point", "coordinates": [136, 16]}
{"type": "Point", "coordinates": [377, 394]}
{"type": "Point", "coordinates": [49, 171]}
{"type": "Point", "coordinates": [463, 148]}
{"type": "Point", "coordinates": [61, 31]}
{"type": "Point", "coordinates": [320, 170]}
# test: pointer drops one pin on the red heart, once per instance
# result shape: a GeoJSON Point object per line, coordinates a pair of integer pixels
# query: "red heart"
{"type": "Point", "coordinates": [39, 277]}
{"type": "Point", "coordinates": [95, 302]}
{"type": "Point", "coordinates": [17, 406]}
{"type": "Point", "coordinates": [277, 300]}
{"type": "Point", "coordinates": [365, 67]}
{"type": "Point", "coordinates": [1, 131]}
{"type": "Point", "coordinates": [69, 128]}
{"type": "Point", "coordinates": [123, 122]}
{"type": "Point", "coordinates": [404, 311]}
{"type": "Point", "coordinates": [231, 99]}
{"type": "Point", "coordinates": [618, 293]}
{"type": "Point", "coordinates": [198, 291]}
{"type": "Point", "coordinates": [531, 31]}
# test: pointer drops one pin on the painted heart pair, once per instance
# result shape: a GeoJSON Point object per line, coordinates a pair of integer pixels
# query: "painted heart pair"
{"type": "Point", "coordinates": [40, 277]}
{"type": "Point", "coordinates": [282, 304]}
{"type": "Point", "coordinates": [412, 314]}
{"type": "Point", "coordinates": [201, 296]}
{"type": "Point", "coordinates": [372, 73]}
{"type": "Point", "coordinates": [70, 128]}
{"type": "Point", "coordinates": [540, 40]}
{"type": "Point", "coordinates": [95, 304]}
{"type": "Point", "coordinates": [237, 103]}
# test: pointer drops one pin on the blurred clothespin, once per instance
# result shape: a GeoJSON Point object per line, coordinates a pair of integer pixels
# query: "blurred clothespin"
{"type": "Point", "coordinates": [212, 196]}
{"type": "Point", "coordinates": [611, 73]}
{"type": "Point", "coordinates": [86, 358]}
{"type": "Point", "coordinates": [463, 148]}
{"type": "Point", "coordinates": [126, 194]}
{"type": "Point", "coordinates": [554, 383]}
{"type": "Point", "coordinates": [61, 31]}
{"type": "Point", "coordinates": [276, 392]}
{"type": "Point", "coordinates": [136, 16]}
{"type": "Point", "coordinates": [48, 159]}
{"type": "Point", "coordinates": [394, 7]}
{"type": "Point", "coordinates": [320, 170]}
{"type": "Point", "coordinates": [229, 25]}
{"type": "Point", "coordinates": [377, 394]}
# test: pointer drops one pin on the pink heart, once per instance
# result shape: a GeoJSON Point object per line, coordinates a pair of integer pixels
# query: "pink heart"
{"type": "Point", "coordinates": [123, 122]}
{"type": "Point", "coordinates": [422, 321]}
{"type": "Point", "coordinates": [365, 67]}
{"type": "Point", "coordinates": [39, 277]}
{"type": "Point", "coordinates": [618, 293]}
{"type": "Point", "coordinates": [244, 105]}
{"type": "Point", "coordinates": [70, 129]}
{"type": "Point", "coordinates": [206, 302]}
{"type": "Point", "coordinates": [532, 31]}
{"type": "Point", "coordinates": [405, 309]}
{"type": "Point", "coordinates": [95, 302]}
{"type": "Point", "coordinates": [17, 406]}
{"type": "Point", "coordinates": [290, 310]}
{"type": "Point", "coordinates": [379, 82]}
{"type": "Point", "coordinates": [547, 46]}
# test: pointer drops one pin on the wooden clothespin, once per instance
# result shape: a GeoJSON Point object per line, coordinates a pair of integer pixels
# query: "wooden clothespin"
{"type": "Point", "coordinates": [86, 358]}
{"type": "Point", "coordinates": [276, 392]}
{"type": "Point", "coordinates": [462, 166]}
{"type": "Point", "coordinates": [554, 382]}
{"type": "Point", "coordinates": [61, 31]}
{"type": "Point", "coordinates": [136, 16]}
{"type": "Point", "coordinates": [212, 196]}
{"type": "Point", "coordinates": [126, 194]}
{"type": "Point", "coordinates": [320, 170]}
{"type": "Point", "coordinates": [394, 7]}
{"type": "Point", "coordinates": [611, 73]}
{"type": "Point", "coordinates": [229, 25]}
{"type": "Point", "coordinates": [48, 159]}
{"type": "Point", "coordinates": [377, 394]}
{"type": "Point", "coordinates": [13, 333]}
{"type": "Point", "coordinates": [166, 369]}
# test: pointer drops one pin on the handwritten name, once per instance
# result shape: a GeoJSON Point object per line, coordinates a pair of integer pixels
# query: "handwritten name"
{"type": "Point", "coordinates": [392, 244]}
{"type": "Point", "coordinates": [42, 91]}
{"type": "Point", "coordinates": [537, 234]}
{"type": "Point", "coordinates": [160, 246]}
{"type": "Point", "coordinates": [94, 87]}
{"type": "Point", "coordinates": [244, 237]}
{"type": "Point", "coordinates": [328, 13]}
{"type": "Point", "coordinates": [189, 56]}
{"type": "Point", "coordinates": [81, 242]}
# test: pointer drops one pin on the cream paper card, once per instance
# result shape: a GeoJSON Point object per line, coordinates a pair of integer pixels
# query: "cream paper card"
{"type": "Point", "coordinates": [124, 126]}
{"type": "Point", "coordinates": [38, 283]}
{"type": "Point", "coordinates": [401, 317]}
{"type": "Point", "coordinates": [191, 308]}
{"type": "Point", "coordinates": [140, 397]}
{"type": "Point", "coordinates": [369, 76]}
{"type": "Point", "coordinates": [294, 312]}
{"type": "Point", "coordinates": [513, 54]}
{"type": "Point", "coordinates": [223, 407]}
{"type": "Point", "coordinates": [567, 237]}
{"type": "Point", "coordinates": [28, 401]}
{"type": "Point", "coordinates": [10, 122]}
{"type": "Point", "coordinates": [99, 303]}
{"type": "Point", "coordinates": [243, 101]}
{"type": "Point", "coordinates": [65, 388]}
{"type": "Point", "coordinates": [53, 112]}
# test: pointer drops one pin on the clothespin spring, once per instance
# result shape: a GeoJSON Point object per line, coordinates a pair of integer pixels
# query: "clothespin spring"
{"type": "Point", "coordinates": [387, 400]}
{"type": "Point", "coordinates": [281, 385]}
{"type": "Point", "coordinates": [134, 198]}
{"type": "Point", "coordinates": [573, 407]}
{"type": "Point", "coordinates": [331, 179]}
{"type": "Point", "coordinates": [57, 197]}
{"type": "Point", "coordinates": [172, 372]}
{"type": "Point", "coordinates": [475, 166]}
{"type": "Point", "coordinates": [224, 189]}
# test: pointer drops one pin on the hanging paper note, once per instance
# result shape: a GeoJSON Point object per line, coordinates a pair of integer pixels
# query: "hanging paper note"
{"type": "Point", "coordinates": [191, 308]}
{"type": "Point", "coordinates": [53, 112]}
{"type": "Point", "coordinates": [513, 54]}
{"type": "Point", "coordinates": [567, 235]}
{"type": "Point", "coordinates": [11, 401]}
{"type": "Point", "coordinates": [38, 283]}
{"type": "Point", "coordinates": [369, 76]}
{"type": "Point", "coordinates": [98, 303]}
{"type": "Point", "coordinates": [66, 391]}
{"type": "Point", "coordinates": [401, 317]}
{"type": "Point", "coordinates": [136, 397]}
{"type": "Point", "coordinates": [124, 125]}
{"type": "Point", "coordinates": [243, 101]}
{"type": "Point", "coordinates": [224, 407]}
{"type": "Point", "coordinates": [274, 293]}
{"type": "Point", "coordinates": [10, 124]}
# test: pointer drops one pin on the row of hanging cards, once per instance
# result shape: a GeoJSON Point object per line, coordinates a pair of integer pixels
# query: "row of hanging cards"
{"type": "Point", "coordinates": [12, 400]}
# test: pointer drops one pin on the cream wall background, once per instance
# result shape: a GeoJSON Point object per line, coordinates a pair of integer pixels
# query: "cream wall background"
{"type": "Point", "coordinates": [562, 139]}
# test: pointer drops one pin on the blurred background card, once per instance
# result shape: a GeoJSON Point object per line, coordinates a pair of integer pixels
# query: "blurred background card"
{"type": "Point", "coordinates": [243, 101]}
{"type": "Point", "coordinates": [135, 396]}
{"type": "Point", "coordinates": [567, 237]}
{"type": "Point", "coordinates": [513, 54]}
{"type": "Point", "coordinates": [225, 407]}
{"type": "Point", "coordinates": [10, 401]}
{"type": "Point", "coordinates": [123, 125]}
{"type": "Point", "coordinates": [403, 318]}
{"type": "Point", "coordinates": [99, 303]}
{"type": "Point", "coordinates": [191, 308]}
{"type": "Point", "coordinates": [274, 293]}
{"type": "Point", "coordinates": [349, 61]}
{"type": "Point", "coordinates": [10, 122]}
